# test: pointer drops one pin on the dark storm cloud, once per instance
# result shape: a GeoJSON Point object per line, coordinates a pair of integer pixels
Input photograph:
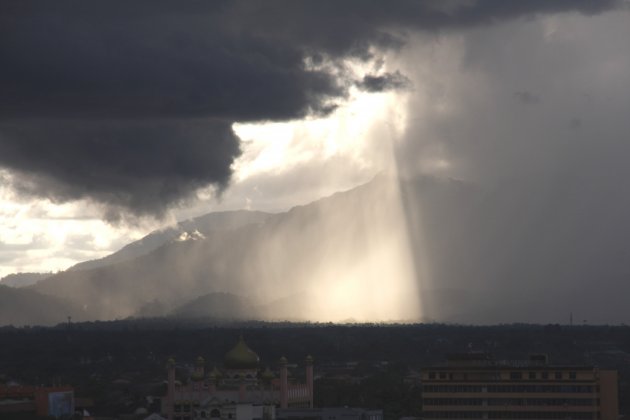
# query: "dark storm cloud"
{"type": "Point", "coordinates": [97, 60]}
{"type": "Point", "coordinates": [137, 165]}
{"type": "Point", "coordinates": [388, 81]}
{"type": "Point", "coordinates": [105, 99]}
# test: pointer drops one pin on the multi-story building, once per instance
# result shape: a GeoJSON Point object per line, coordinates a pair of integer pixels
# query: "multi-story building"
{"type": "Point", "coordinates": [473, 386]}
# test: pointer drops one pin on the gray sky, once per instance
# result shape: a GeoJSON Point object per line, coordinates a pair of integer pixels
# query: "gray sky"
{"type": "Point", "coordinates": [116, 121]}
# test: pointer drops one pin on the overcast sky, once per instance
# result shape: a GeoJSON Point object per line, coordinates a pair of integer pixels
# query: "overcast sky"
{"type": "Point", "coordinates": [116, 119]}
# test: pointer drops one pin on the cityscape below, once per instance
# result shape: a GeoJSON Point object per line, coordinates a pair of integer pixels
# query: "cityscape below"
{"type": "Point", "coordinates": [153, 369]}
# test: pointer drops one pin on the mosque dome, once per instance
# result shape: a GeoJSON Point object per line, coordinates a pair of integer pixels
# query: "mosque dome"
{"type": "Point", "coordinates": [241, 357]}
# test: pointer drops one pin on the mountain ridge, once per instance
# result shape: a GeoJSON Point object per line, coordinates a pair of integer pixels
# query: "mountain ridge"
{"type": "Point", "coordinates": [23, 279]}
{"type": "Point", "coordinates": [204, 224]}
{"type": "Point", "coordinates": [343, 256]}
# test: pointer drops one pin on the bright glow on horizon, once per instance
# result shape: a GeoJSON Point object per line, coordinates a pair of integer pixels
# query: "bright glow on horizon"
{"type": "Point", "coordinates": [276, 147]}
{"type": "Point", "coordinates": [379, 285]}
{"type": "Point", "coordinates": [48, 237]}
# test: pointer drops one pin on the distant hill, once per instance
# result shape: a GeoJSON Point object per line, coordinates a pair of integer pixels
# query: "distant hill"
{"type": "Point", "coordinates": [283, 255]}
{"type": "Point", "coordinates": [265, 261]}
{"type": "Point", "coordinates": [26, 307]}
{"type": "Point", "coordinates": [23, 279]}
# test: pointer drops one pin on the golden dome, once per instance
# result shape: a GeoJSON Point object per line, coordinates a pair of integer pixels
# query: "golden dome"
{"type": "Point", "coordinates": [241, 357]}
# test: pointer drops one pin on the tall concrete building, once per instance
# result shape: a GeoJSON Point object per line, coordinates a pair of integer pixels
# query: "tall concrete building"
{"type": "Point", "coordinates": [473, 386]}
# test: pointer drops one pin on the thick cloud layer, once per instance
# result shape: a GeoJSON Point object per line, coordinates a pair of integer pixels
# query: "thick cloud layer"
{"type": "Point", "coordinates": [140, 165]}
{"type": "Point", "coordinates": [130, 105]}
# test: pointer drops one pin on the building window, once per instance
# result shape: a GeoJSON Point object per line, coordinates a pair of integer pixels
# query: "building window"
{"type": "Point", "coordinates": [442, 375]}
{"type": "Point", "coordinates": [545, 375]}
{"type": "Point", "coordinates": [431, 375]}
{"type": "Point", "coordinates": [532, 375]}
{"type": "Point", "coordinates": [516, 375]}
{"type": "Point", "coordinates": [558, 375]}
{"type": "Point", "coordinates": [572, 375]}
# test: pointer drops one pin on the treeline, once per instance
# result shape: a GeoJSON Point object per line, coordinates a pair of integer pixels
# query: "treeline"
{"type": "Point", "coordinates": [126, 359]}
